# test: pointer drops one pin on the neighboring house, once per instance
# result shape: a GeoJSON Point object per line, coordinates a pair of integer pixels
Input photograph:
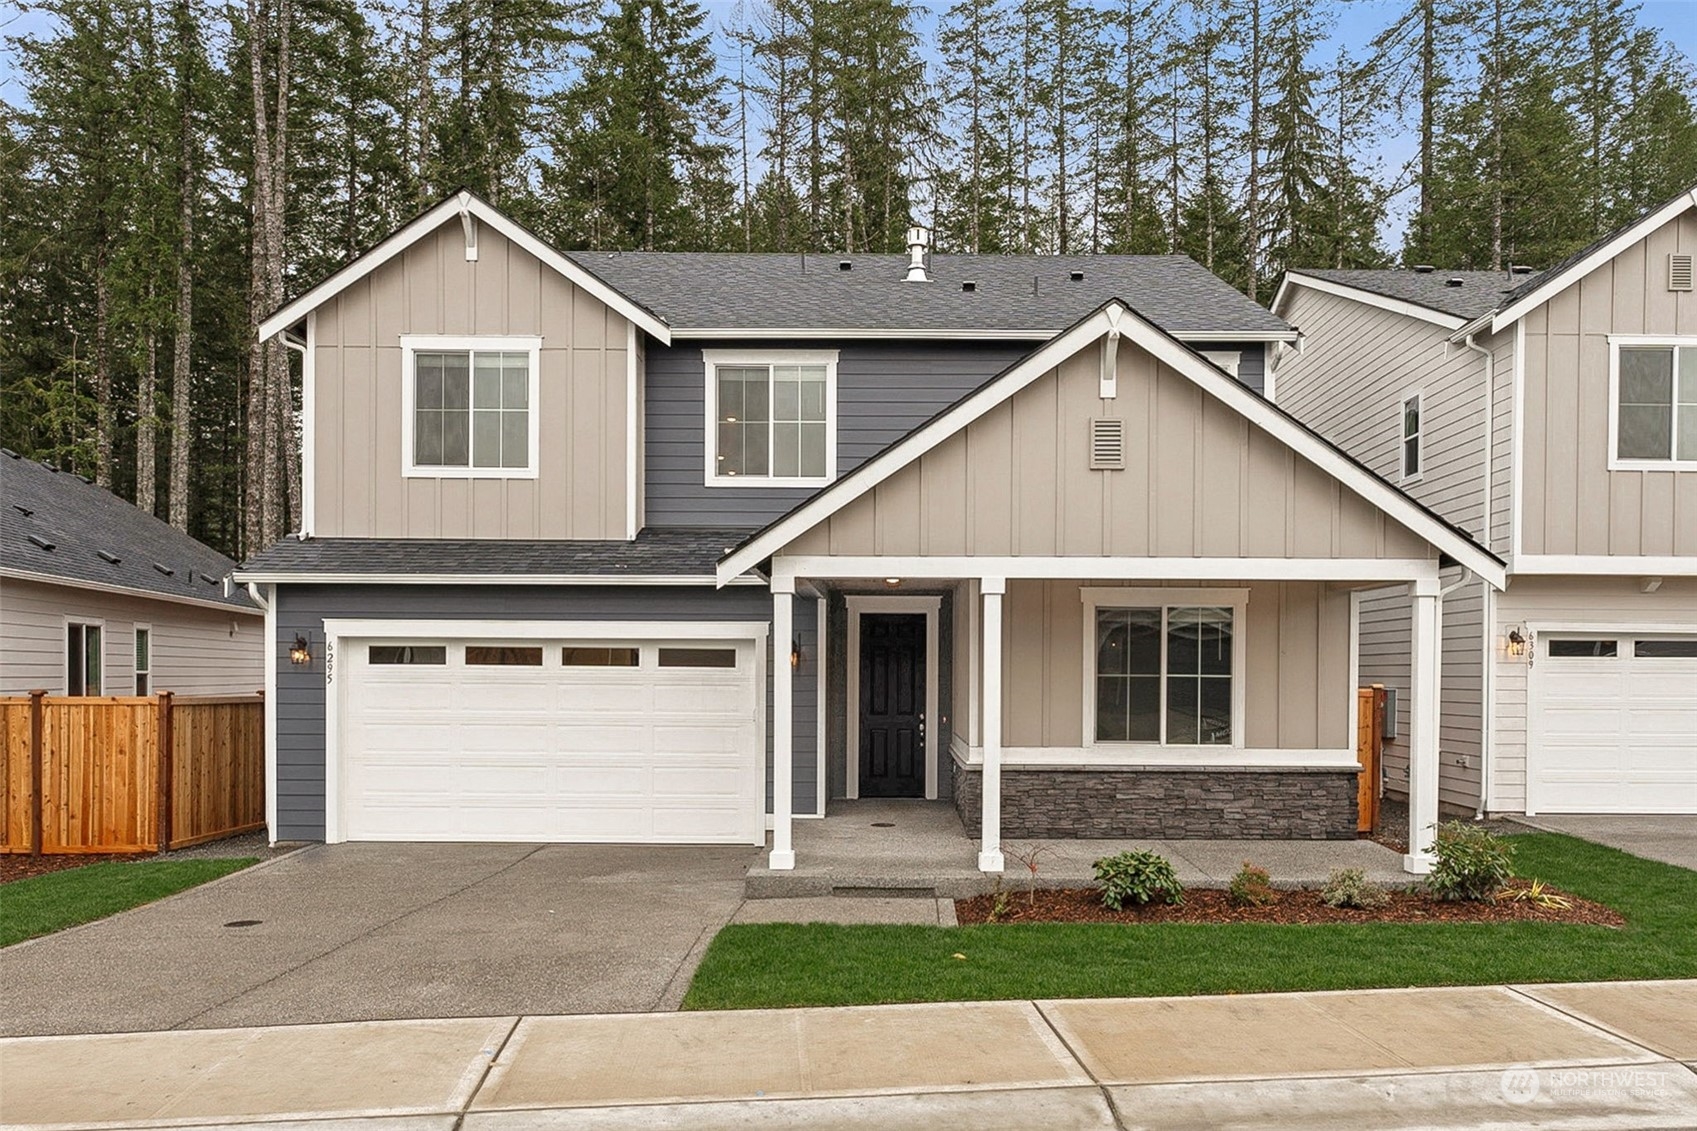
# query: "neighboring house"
{"type": "Point", "coordinates": [679, 548]}
{"type": "Point", "coordinates": [1553, 416]}
{"type": "Point", "coordinates": [99, 598]}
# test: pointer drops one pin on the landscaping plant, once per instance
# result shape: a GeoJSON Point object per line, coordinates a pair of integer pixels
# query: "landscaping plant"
{"type": "Point", "coordinates": [1138, 877]}
{"type": "Point", "coordinates": [1252, 887]}
{"type": "Point", "coordinates": [1472, 863]}
{"type": "Point", "coordinates": [1349, 887]}
{"type": "Point", "coordinates": [1030, 857]}
{"type": "Point", "coordinates": [1536, 892]}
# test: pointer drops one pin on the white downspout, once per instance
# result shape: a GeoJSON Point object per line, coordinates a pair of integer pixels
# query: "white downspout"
{"type": "Point", "coordinates": [268, 604]}
{"type": "Point", "coordinates": [1488, 627]}
{"type": "Point", "coordinates": [307, 408]}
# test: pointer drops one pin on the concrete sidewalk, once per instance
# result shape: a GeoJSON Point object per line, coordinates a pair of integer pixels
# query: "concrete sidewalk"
{"type": "Point", "coordinates": [1570, 1056]}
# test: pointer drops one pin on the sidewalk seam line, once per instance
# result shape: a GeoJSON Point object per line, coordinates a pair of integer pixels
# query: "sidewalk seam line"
{"type": "Point", "coordinates": [488, 1067]}
{"type": "Point", "coordinates": [186, 1022]}
{"type": "Point", "coordinates": [1587, 1022]}
{"type": "Point", "coordinates": [1107, 1097]}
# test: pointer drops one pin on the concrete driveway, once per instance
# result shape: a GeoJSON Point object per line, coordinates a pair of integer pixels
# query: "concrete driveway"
{"type": "Point", "coordinates": [370, 931]}
{"type": "Point", "coordinates": [1670, 838]}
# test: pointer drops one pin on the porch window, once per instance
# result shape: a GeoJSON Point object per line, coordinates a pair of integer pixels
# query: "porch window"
{"type": "Point", "coordinates": [1654, 402]}
{"type": "Point", "coordinates": [771, 417]}
{"type": "Point", "coordinates": [471, 406]}
{"type": "Point", "coordinates": [1165, 673]}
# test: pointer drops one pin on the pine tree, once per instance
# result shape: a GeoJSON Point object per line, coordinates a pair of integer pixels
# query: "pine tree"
{"type": "Point", "coordinates": [1133, 100]}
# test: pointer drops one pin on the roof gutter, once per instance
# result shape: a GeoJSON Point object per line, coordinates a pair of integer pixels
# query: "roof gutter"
{"type": "Point", "coordinates": [126, 590]}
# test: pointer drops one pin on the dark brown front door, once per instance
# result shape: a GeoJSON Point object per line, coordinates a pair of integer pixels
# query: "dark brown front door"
{"type": "Point", "coordinates": [892, 705]}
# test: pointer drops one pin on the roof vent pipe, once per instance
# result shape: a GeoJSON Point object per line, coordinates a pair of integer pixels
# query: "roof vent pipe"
{"type": "Point", "coordinates": [918, 247]}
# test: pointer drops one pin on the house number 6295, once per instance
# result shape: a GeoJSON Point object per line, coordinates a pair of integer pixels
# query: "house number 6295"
{"type": "Point", "coordinates": [329, 662]}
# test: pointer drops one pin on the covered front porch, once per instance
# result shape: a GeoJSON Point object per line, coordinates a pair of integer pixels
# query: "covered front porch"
{"type": "Point", "coordinates": [921, 849]}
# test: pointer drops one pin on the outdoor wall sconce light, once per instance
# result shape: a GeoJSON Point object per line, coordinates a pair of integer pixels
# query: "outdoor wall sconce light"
{"type": "Point", "coordinates": [795, 653]}
{"type": "Point", "coordinates": [300, 652]}
{"type": "Point", "coordinates": [1516, 645]}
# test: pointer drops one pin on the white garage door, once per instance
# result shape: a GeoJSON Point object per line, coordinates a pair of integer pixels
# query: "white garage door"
{"type": "Point", "coordinates": [1613, 726]}
{"type": "Point", "coordinates": [618, 741]}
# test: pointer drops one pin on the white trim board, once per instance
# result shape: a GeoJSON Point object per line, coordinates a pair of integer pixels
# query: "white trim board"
{"type": "Point", "coordinates": [103, 587]}
{"type": "Point", "coordinates": [930, 606]}
{"type": "Point", "coordinates": [1179, 758]}
{"type": "Point", "coordinates": [1381, 570]}
{"type": "Point", "coordinates": [621, 579]}
{"type": "Point", "coordinates": [1166, 351]}
{"type": "Point", "coordinates": [944, 334]}
{"type": "Point", "coordinates": [1366, 298]}
{"type": "Point", "coordinates": [1604, 565]}
{"type": "Point", "coordinates": [462, 204]}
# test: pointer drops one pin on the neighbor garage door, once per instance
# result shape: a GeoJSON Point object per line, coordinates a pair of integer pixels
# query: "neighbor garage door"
{"type": "Point", "coordinates": [562, 740]}
{"type": "Point", "coordinates": [1613, 724]}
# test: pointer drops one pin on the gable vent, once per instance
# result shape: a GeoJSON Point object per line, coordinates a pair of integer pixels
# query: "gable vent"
{"type": "Point", "coordinates": [1107, 444]}
{"type": "Point", "coordinates": [1679, 272]}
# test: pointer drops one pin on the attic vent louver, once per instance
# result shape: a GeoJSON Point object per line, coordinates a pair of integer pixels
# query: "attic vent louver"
{"type": "Point", "coordinates": [1424, 268]}
{"type": "Point", "coordinates": [1107, 444]}
{"type": "Point", "coordinates": [844, 265]}
{"type": "Point", "coordinates": [108, 556]}
{"type": "Point", "coordinates": [1076, 276]}
{"type": "Point", "coordinates": [42, 542]}
{"type": "Point", "coordinates": [969, 286]}
{"type": "Point", "coordinates": [1452, 281]}
{"type": "Point", "coordinates": [21, 509]}
{"type": "Point", "coordinates": [1680, 272]}
{"type": "Point", "coordinates": [1519, 269]}
{"type": "Point", "coordinates": [164, 569]}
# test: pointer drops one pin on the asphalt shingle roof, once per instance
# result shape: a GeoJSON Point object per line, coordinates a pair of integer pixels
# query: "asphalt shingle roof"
{"type": "Point", "coordinates": [1479, 292]}
{"type": "Point", "coordinates": [58, 525]}
{"type": "Point", "coordinates": [714, 290]}
{"type": "Point", "coordinates": [654, 553]}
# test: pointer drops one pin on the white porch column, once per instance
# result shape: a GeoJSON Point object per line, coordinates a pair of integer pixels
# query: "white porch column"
{"type": "Point", "coordinates": [1425, 672]}
{"type": "Point", "coordinates": [783, 739]}
{"type": "Point", "coordinates": [990, 835]}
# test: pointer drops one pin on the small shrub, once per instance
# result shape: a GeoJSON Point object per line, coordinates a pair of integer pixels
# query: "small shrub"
{"type": "Point", "coordinates": [1348, 887]}
{"type": "Point", "coordinates": [1537, 892]}
{"type": "Point", "coordinates": [1472, 863]}
{"type": "Point", "coordinates": [1252, 887]}
{"type": "Point", "coordinates": [1031, 857]}
{"type": "Point", "coordinates": [1137, 877]}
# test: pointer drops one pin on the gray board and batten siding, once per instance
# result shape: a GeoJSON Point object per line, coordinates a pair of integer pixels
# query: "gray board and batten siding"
{"type": "Point", "coordinates": [301, 690]}
{"type": "Point", "coordinates": [885, 389]}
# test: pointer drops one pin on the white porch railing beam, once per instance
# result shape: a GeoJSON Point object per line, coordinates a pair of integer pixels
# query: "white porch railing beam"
{"type": "Point", "coordinates": [783, 732]}
{"type": "Point", "coordinates": [1425, 672]}
{"type": "Point", "coordinates": [990, 822]}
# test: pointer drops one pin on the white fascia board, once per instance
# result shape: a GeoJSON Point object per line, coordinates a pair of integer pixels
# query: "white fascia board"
{"type": "Point", "coordinates": [1603, 565]}
{"type": "Point", "coordinates": [1365, 570]}
{"type": "Point", "coordinates": [129, 591]}
{"type": "Point", "coordinates": [1369, 298]}
{"type": "Point", "coordinates": [623, 579]}
{"type": "Point", "coordinates": [1508, 316]}
{"type": "Point", "coordinates": [487, 213]}
{"type": "Point", "coordinates": [950, 334]}
{"type": "Point", "coordinates": [1176, 357]}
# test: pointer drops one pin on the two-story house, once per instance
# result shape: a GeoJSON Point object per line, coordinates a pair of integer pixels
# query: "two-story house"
{"type": "Point", "coordinates": [683, 548]}
{"type": "Point", "coordinates": [1553, 416]}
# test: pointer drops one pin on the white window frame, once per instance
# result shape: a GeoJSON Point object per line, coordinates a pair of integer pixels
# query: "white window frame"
{"type": "Point", "coordinates": [412, 345]}
{"type": "Point", "coordinates": [1231, 361]}
{"type": "Point", "coordinates": [64, 643]}
{"type": "Point", "coordinates": [1418, 396]}
{"type": "Point", "coordinates": [1616, 461]}
{"type": "Point", "coordinates": [1165, 598]}
{"type": "Point", "coordinates": [712, 360]}
{"type": "Point", "coordinates": [137, 671]}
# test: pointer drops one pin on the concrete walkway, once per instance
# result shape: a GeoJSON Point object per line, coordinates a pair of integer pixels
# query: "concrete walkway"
{"type": "Point", "coordinates": [1568, 1056]}
{"type": "Point", "coordinates": [1670, 838]}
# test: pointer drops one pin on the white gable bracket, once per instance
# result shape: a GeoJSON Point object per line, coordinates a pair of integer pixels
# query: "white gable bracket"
{"type": "Point", "coordinates": [469, 223]}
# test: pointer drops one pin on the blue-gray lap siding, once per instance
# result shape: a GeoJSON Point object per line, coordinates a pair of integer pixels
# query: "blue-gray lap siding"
{"type": "Point", "coordinates": [303, 609]}
{"type": "Point", "coordinates": [884, 391]}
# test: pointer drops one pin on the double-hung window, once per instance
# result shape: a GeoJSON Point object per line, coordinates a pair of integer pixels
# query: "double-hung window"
{"type": "Point", "coordinates": [83, 656]}
{"type": "Point", "coordinates": [470, 406]}
{"type": "Point", "coordinates": [1653, 382]}
{"type": "Point", "coordinates": [771, 417]}
{"type": "Point", "coordinates": [1413, 436]}
{"type": "Point", "coordinates": [144, 660]}
{"type": "Point", "coordinates": [1164, 666]}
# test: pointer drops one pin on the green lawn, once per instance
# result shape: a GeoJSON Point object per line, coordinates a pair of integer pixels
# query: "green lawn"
{"type": "Point", "coordinates": [41, 905]}
{"type": "Point", "coordinates": [753, 966]}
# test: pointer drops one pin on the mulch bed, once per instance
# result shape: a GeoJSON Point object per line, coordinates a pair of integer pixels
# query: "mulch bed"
{"type": "Point", "coordinates": [21, 867]}
{"type": "Point", "coordinates": [1203, 905]}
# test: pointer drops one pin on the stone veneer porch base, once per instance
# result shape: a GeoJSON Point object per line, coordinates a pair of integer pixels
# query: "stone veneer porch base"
{"type": "Point", "coordinates": [1158, 803]}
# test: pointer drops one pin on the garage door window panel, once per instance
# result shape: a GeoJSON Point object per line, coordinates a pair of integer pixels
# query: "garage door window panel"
{"type": "Point", "coordinates": [573, 656]}
{"type": "Point", "coordinates": [1584, 649]}
{"type": "Point", "coordinates": [1665, 649]}
{"type": "Point", "coordinates": [488, 655]}
{"type": "Point", "coordinates": [393, 654]}
{"type": "Point", "coordinates": [698, 657]}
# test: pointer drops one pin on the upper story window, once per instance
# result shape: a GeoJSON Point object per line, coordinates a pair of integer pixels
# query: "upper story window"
{"type": "Point", "coordinates": [771, 417]}
{"type": "Point", "coordinates": [1653, 386]}
{"type": "Point", "coordinates": [1413, 436]}
{"type": "Point", "coordinates": [470, 406]}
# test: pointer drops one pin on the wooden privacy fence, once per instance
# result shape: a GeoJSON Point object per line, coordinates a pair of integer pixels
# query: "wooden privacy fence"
{"type": "Point", "coordinates": [120, 774]}
{"type": "Point", "coordinates": [1369, 749]}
